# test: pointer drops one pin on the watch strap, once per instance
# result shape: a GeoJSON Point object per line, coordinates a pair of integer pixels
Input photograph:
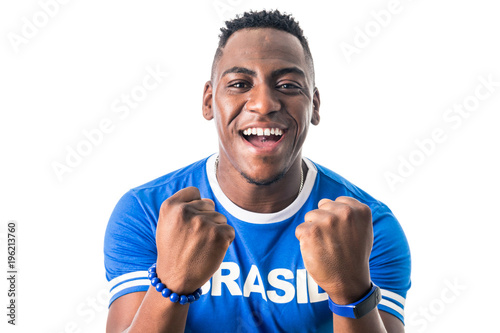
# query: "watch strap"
{"type": "Point", "coordinates": [359, 308]}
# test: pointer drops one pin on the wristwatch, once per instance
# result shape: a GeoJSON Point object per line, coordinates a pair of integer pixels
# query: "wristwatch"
{"type": "Point", "coordinates": [360, 308]}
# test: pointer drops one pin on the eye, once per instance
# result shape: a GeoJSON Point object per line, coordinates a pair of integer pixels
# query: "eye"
{"type": "Point", "coordinates": [288, 86]}
{"type": "Point", "coordinates": [239, 85]}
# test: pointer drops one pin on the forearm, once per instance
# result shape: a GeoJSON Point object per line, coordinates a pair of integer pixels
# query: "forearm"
{"type": "Point", "coordinates": [158, 314]}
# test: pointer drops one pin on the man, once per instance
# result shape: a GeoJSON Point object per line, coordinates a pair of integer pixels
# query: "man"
{"type": "Point", "coordinates": [273, 238]}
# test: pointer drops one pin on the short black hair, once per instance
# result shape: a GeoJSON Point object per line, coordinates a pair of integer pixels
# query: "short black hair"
{"type": "Point", "coordinates": [263, 19]}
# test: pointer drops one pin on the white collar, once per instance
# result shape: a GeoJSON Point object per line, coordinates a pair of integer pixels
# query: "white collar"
{"type": "Point", "coordinates": [261, 218]}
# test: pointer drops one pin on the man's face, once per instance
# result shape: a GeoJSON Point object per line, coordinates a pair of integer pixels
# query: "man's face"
{"type": "Point", "coordinates": [262, 98]}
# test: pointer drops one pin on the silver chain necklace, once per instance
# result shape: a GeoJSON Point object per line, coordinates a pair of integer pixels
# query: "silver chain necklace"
{"type": "Point", "coordinates": [301, 173]}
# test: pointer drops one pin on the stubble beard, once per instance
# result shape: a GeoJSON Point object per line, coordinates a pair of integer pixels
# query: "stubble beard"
{"type": "Point", "coordinates": [264, 182]}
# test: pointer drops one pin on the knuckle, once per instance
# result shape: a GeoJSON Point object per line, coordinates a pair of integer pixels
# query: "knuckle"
{"type": "Point", "coordinates": [231, 234]}
{"type": "Point", "coordinates": [299, 229]}
{"type": "Point", "coordinates": [182, 209]}
{"type": "Point", "coordinates": [213, 232]}
{"type": "Point", "coordinates": [345, 212]}
{"type": "Point", "coordinates": [165, 206]}
{"type": "Point", "coordinates": [365, 210]}
{"type": "Point", "coordinates": [309, 215]}
{"type": "Point", "coordinates": [220, 217]}
{"type": "Point", "coordinates": [332, 221]}
{"type": "Point", "coordinates": [315, 230]}
{"type": "Point", "coordinates": [192, 190]}
{"type": "Point", "coordinates": [223, 233]}
{"type": "Point", "coordinates": [198, 220]}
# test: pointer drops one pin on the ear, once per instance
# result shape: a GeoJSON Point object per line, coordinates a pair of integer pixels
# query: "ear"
{"type": "Point", "coordinates": [316, 103]}
{"type": "Point", "coordinates": [208, 113]}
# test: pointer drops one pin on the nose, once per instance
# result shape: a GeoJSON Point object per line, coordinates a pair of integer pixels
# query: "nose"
{"type": "Point", "coordinates": [263, 99]}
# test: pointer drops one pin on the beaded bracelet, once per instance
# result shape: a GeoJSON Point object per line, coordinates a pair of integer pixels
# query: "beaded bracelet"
{"type": "Point", "coordinates": [167, 293]}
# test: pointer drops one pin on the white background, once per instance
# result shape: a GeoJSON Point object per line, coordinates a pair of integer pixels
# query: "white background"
{"type": "Point", "coordinates": [64, 78]}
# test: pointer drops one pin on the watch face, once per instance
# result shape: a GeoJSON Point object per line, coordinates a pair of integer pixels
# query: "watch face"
{"type": "Point", "coordinates": [368, 304]}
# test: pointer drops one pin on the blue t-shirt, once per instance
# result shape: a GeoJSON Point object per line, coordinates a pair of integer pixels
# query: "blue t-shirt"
{"type": "Point", "coordinates": [261, 285]}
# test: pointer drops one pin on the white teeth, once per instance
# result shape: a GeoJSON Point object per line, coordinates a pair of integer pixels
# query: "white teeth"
{"type": "Point", "coordinates": [262, 131]}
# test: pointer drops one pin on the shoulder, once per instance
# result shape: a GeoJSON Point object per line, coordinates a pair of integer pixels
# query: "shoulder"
{"type": "Point", "coordinates": [331, 182]}
{"type": "Point", "coordinates": [184, 176]}
{"type": "Point", "coordinates": [144, 201]}
{"type": "Point", "coordinates": [156, 191]}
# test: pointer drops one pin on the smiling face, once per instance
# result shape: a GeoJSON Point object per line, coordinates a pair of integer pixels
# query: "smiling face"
{"type": "Point", "coordinates": [262, 98]}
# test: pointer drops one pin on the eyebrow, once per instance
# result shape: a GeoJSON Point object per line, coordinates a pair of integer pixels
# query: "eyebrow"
{"type": "Point", "coordinates": [283, 71]}
{"type": "Point", "coordinates": [241, 70]}
{"type": "Point", "coordinates": [278, 72]}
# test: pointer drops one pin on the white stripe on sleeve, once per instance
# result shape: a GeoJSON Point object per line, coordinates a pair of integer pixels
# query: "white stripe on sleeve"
{"type": "Point", "coordinates": [393, 306]}
{"type": "Point", "coordinates": [393, 296]}
{"type": "Point", "coordinates": [129, 276]}
{"type": "Point", "coordinates": [133, 283]}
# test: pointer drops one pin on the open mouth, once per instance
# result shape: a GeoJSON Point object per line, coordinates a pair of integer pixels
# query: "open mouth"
{"type": "Point", "coordinates": [263, 137]}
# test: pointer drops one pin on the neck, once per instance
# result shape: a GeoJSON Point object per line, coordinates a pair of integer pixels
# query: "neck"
{"type": "Point", "coordinates": [261, 198]}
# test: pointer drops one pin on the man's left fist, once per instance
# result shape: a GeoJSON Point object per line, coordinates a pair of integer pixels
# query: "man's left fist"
{"type": "Point", "coordinates": [336, 241]}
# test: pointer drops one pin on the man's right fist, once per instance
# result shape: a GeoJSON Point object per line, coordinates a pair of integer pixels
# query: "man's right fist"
{"type": "Point", "coordinates": [192, 240]}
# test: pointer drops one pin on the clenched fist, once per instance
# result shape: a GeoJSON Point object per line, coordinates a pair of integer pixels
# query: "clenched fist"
{"type": "Point", "coordinates": [192, 239]}
{"type": "Point", "coordinates": [336, 241]}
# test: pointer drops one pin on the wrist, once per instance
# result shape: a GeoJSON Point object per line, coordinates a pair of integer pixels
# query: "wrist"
{"type": "Point", "coordinates": [349, 292]}
{"type": "Point", "coordinates": [173, 279]}
{"type": "Point", "coordinates": [171, 293]}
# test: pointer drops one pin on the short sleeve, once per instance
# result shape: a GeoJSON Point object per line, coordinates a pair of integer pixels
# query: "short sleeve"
{"type": "Point", "coordinates": [129, 247]}
{"type": "Point", "coordinates": [390, 261]}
